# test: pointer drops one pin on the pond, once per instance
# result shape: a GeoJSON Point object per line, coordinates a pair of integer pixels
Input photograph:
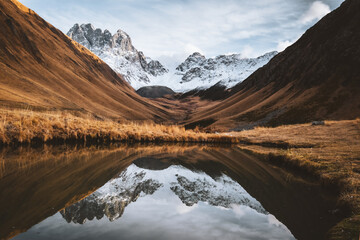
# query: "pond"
{"type": "Point", "coordinates": [156, 192]}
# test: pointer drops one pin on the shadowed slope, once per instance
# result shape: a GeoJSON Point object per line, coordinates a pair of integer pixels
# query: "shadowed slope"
{"type": "Point", "coordinates": [318, 77]}
{"type": "Point", "coordinates": [43, 69]}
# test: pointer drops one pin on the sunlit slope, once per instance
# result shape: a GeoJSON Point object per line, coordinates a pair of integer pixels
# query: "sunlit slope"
{"type": "Point", "coordinates": [42, 69]}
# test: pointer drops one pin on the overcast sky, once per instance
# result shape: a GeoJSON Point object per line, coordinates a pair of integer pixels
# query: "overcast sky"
{"type": "Point", "coordinates": [172, 29]}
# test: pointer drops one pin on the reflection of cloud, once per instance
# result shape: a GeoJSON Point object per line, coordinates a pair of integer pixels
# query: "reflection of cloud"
{"type": "Point", "coordinates": [182, 208]}
{"type": "Point", "coordinates": [238, 210]}
{"type": "Point", "coordinates": [316, 11]}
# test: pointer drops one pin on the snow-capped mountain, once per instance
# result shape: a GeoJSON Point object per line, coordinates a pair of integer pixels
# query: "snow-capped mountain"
{"type": "Point", "coordinates": [200, 72]}
{"type": "Point", "coordinates": [119, 53]}
{"type": "Point", "coordinates": [227, 69]}
{"type": "Point", "coordinates": [196, 71]}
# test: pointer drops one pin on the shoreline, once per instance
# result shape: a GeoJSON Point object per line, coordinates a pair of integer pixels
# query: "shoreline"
{"type": "Point", "coordinates": [329, 153]}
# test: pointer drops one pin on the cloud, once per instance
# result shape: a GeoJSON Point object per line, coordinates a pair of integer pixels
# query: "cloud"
{"type": "Point", "coordinates": [316, 11]}
{"type": "Point", "coordinates": [172, 30]}
{"type": "Point", "coordinates": [247, 52]}
{"type": "Point", "coordinates": [190, 48]}
{"type": "Point", "coordinates": [282, 45]}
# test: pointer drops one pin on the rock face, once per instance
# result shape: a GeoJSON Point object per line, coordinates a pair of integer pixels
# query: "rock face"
{"type": "Point", "coordinates": [154, 91]}
{"type": "Point", "coordinates": [118, 51]}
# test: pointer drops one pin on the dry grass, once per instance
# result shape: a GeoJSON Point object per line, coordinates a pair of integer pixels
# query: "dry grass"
{"type": "Point", "coordinates": [23, 126]}
{"type": "Point", "coordinates": [330, 152]}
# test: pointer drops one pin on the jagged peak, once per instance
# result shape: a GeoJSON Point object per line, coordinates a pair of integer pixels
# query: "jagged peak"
{"type": "Point", "coordinates": [122, 33]}
{"type": "Point", "coordinates": [87, 26]}
{"type": "Point", "coordinates": [197, 54]}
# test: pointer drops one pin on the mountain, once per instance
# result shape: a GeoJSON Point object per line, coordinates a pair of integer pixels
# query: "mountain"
{"type": "Point", "coordinates": [316, 78]}
{"type": "Point", "coordinates": [43, 69]}
{"type": "Point", "coordinates": [228, 70]}
{"type": "Point", "coordinates": [195, 72]}
{"type": "Point", "coordinates": [119, 53]}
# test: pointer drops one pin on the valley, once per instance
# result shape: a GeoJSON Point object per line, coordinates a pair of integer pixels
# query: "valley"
{"type": "Point", "coordinates": [90, 127]}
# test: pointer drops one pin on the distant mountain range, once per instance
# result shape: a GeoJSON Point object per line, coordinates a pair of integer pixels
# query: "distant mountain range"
{"type": "Point", "coordinates": [195, 72]}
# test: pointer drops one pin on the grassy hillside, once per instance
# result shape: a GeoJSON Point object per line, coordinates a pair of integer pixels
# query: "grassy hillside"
{"type": "Point", "coordinates": [43, 69]}
{"type": "Point", "coordinates": [317, 78]}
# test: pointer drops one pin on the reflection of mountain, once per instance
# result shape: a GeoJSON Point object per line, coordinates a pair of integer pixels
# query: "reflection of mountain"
{"type": "Point", "coordinates": [112, 198]}
{"type": "Point", "coordinates": [191, 187]}
{"type": "Point", "coordinates": [223, 192]}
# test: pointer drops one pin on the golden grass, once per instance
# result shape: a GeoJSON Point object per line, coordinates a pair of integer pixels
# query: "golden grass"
{"type": "Point", "coordinates": [330, 152]}
{"type": "Point", "coordinates": [24, 126]}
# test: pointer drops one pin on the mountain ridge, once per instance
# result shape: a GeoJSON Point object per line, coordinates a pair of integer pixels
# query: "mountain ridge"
{"type": "Point", "coordinates": [196, 71]}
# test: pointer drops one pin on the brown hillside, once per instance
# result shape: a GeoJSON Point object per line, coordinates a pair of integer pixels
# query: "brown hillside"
{"type": "Point", "coordinates": [42, 69]}
{"type": "Point", "coordinates": [316, 78]}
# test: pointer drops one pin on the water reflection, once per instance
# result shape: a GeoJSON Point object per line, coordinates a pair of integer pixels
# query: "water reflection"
{"type": "Point", "coordinates": [156, 192]}
{"type": "Point", "coordinates": [190, 187]}
{"type": "Point", "coordinates": [176, 202]}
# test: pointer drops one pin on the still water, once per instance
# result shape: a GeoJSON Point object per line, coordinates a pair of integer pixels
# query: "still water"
{"type": "Point", "coordinates": [156, 192]}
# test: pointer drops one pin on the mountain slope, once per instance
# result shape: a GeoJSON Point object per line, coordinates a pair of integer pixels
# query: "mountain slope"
{"type": "Point", "coordinates": [43, 69]}
{"type": "Point", "coordinates": [316, 78]}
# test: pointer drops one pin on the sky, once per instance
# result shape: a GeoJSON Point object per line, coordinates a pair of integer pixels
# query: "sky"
{"type": "Point", "coordinates": [170, 30]}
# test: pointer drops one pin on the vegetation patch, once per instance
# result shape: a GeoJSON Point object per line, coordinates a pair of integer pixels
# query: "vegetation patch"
{"type": "Point", "coordinates": [26, 127]}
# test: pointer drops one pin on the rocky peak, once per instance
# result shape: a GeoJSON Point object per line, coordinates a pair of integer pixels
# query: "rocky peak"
{"type": "Point", "coordinates": [197, 55]}
{"type": "Point", "coordinates": [193, 59]}
{"type": "Point", "coordinates": [88, 36]}
{"type": "Point", "coordinates": [122, 41]}
{"type": "Point", "coordinates": [117, 51]}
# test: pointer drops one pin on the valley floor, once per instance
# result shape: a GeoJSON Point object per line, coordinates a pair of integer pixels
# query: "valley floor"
{"type": "Point", "coordinates": [329, 152]}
